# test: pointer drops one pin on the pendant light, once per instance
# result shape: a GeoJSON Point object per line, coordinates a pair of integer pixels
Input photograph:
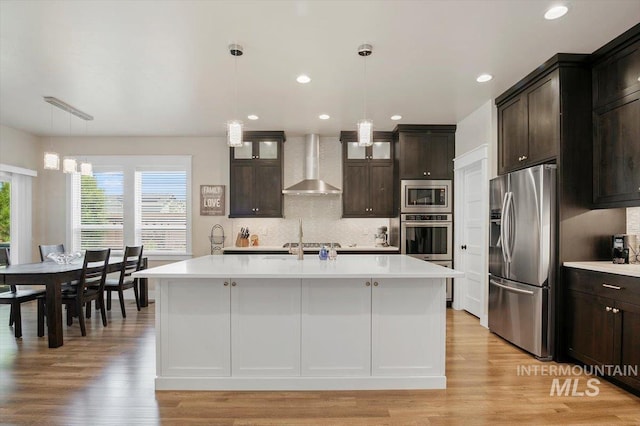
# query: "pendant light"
{"type": "Point", "coordinates": [51, 159]}
{"type": "Point", "coordinates": [234, 127]}
{"type": "Point", "coordinates": [365, 126]}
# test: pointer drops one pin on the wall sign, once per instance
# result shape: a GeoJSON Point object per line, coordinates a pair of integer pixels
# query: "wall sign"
{"type": "Point", "coordinates": [212, 200]}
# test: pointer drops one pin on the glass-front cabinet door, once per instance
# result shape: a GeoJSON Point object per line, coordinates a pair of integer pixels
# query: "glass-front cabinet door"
{"type": "Point", "coordinates": [380, 150]}
{"type": "Point", "coordinates": [257, 150]}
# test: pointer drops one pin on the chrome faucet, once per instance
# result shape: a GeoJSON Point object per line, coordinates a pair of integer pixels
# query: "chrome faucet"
{"type": "Point", "coordinates": [300, 248]}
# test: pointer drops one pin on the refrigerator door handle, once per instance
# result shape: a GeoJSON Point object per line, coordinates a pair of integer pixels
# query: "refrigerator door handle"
{"type": "Point", "coordinates": [513, 289]}
{"type": "Point", "coordinates": [501, 243]}
{"type": "Point", "coordinates": [506, 226]}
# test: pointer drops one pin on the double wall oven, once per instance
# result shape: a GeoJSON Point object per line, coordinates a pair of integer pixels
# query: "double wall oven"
{"type": "Point", "coordinates": [426, 222]}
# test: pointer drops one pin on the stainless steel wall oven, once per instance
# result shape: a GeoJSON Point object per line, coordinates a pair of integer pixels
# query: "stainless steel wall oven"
{"type": "Point", "coordinates": [427, 236]}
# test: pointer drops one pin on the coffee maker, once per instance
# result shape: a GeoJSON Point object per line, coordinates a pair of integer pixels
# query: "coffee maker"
{"type": "Point", "coordinates": [381, 237]}
{"type": "Point", "coordinates": [625, 248]}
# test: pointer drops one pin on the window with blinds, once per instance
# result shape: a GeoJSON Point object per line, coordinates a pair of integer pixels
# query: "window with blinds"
{"type": "Point", "coordinates": [161, 210]}
{"type": "Point", "coordinates": [133, 200]}
{"type": "Point", "coordinates": [99, 213]}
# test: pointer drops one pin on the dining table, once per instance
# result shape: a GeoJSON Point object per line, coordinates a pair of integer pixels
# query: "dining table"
{"type": "Point", "coordinates": [52, 275]}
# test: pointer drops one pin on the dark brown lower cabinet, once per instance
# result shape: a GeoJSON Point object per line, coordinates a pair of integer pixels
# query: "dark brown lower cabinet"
{"type": "Point", "coordinates": [603, 323]}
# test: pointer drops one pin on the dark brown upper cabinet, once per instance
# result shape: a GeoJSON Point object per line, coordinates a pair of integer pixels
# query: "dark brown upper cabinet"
{"type": "Point", "coordinates": [368, 178]}
{"type": "Point", "coordinates": [616, 122]}
{"type": "Point", "coordinates": [425, 151]}
{"type": "Point", "coordinates": [256, 175]}
{"type": "Point", "coordinates": [529, 125]}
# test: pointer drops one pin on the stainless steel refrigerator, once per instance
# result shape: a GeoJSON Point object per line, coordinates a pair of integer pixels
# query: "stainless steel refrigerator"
{"type": "Point", "coordinates": [522, 258]}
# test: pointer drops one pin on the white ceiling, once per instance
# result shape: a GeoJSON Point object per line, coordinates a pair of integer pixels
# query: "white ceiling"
{"type": "Point", "coordinates": [162, 68]}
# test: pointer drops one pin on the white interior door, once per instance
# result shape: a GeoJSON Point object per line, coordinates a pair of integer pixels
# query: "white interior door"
{"type": "Point", "coordinates": [471, 224]}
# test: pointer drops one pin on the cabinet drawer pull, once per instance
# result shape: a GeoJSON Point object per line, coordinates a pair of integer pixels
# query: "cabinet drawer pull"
{"type": "Point", "coordinates": [614, 287]}
{"type": "Point", "coordinates": [608, 309]}
{"type": "Point", "coordinates": [615, 310]}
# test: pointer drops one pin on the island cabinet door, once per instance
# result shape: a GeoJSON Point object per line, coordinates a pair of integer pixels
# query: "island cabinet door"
{"type": "Point", "coordinates": [408, 327]}
{"type": "Point", "coordinates": [265, 327]}
{"type": "Point", "coordinates": [194, 330]}
{"type": "Point", "coordinates": [336, 327]}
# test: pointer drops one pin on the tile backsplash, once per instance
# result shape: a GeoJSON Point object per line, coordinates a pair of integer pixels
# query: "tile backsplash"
{"type": "Point", "coordinates": [633, 220]}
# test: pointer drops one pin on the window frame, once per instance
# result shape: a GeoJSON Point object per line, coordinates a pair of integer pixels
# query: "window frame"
{"type": "Point", "coordinates": [129, 165]}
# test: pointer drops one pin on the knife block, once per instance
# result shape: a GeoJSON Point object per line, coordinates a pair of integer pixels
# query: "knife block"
{"type": "Point", "coordinates": [241, 242]}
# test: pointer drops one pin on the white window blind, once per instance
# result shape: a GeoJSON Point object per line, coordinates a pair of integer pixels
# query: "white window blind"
{"type": "Point", "coordinates": [99, 213]}
{"type": "Point", "coordinates": [161, 211]}
{"type": "Point", "coordinates": [133, 200]}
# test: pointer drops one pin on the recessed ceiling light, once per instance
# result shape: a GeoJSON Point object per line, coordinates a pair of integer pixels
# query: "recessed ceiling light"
{"type": "Point", "coordinates": [324, 116]}
{"type": "Point", "coordinates": [556, 12]}
{"type": "Point", "coordinates": [483, 78]}
{"type": "Point", "coordinates": [304, 79]}
{"type": "Point", "coordinates": [396, 117]}
{"type": "Point", "coordinates": [252, 117]}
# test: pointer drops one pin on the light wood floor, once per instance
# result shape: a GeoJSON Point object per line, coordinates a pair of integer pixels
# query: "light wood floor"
{"type": "Point", "coordinates": [107, 378]}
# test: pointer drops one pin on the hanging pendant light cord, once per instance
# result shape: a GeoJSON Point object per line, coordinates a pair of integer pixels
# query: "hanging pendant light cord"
{"type": "Point", "coordinates": [365, 88]}
{"type": "Point", "coordinates": [235, 96]}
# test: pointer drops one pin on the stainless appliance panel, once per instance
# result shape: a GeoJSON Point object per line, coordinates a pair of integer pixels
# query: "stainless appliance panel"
{"type": "Point", "coordinates": [519, 313]}
{"type": "Point", "coordinates": [425, 196]}
{"type": "Point", "coordinates": [427, 240]}
{"type": "Point", "coordinates": [529, 225]}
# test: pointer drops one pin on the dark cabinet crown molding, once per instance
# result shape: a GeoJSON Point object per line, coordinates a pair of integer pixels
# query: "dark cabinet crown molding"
{"type": "Point", "coordinates": [556, 61]}
{"type": "Point", "coordinates": [352, 135]}
{"type": "Point", "coordinates": [620, 42]}
{"type": "Point", "coordinates": [425, 128]}
{"type": "Point", "coordinates": [264, 134]}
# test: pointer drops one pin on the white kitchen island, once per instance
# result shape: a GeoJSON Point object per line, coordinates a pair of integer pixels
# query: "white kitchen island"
{"type": "Point", "coordinates": [272, 322]}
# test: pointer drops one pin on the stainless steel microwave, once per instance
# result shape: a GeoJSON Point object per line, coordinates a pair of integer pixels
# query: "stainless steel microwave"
{"type": "Point", "coordinates": [425, 196]}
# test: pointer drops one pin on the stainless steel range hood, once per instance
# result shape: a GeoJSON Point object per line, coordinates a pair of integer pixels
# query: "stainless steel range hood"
{"type": "Point", "coordinates": [312, 185]}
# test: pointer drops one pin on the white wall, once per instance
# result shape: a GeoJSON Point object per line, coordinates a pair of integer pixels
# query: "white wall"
{"type": "Point", "coordinates": [19, 149]}
{"type": "Point", "coordinates": [478, 128]}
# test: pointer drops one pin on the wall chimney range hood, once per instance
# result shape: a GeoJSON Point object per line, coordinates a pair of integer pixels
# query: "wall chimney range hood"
{"type": "Point", "coordinates": [312, 185]}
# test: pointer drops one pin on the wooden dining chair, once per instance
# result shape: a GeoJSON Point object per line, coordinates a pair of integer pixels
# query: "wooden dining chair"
{"type": "Point", "coordinates": [45, 250]}
{"type": "Point", "coordinates": [90, 287]}
{"type": "Point", "coordinates": [131, 262]}
{"type": "Point", "coordinates": [16, 297]}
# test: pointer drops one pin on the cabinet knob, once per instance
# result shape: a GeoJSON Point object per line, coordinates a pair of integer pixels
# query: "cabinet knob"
{"type": "Point", "coordinates": [233, 284]}
{"type": "Point", "coordinates": [428, 173]}
{"type": "Point", "coordinates": [615, 310]}
{"type": "Point", "coordinates": [226, 283]}
{"type": "Point", "coordinates": [257, 209]}
{"type": "Point", "coordinates": [463, 247]}
{"type": "Point", "coordinates": [524, 157]}
{"type": "Point", "coordinates": [424, 173]}
{"type": "Point", "coordinates": [375, 283]}
{"type": "Point", "coordinates": [367, 284]}
{"type": "Point", "coordinates": [608, 309]}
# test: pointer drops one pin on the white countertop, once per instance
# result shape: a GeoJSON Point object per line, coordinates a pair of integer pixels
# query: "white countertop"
{"type": "Point", "coordinates": [631, 270]}
{"type": "Point", "coordinates": [288, 266]}
{"type": "Point", "coordinates": [338, 249]}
